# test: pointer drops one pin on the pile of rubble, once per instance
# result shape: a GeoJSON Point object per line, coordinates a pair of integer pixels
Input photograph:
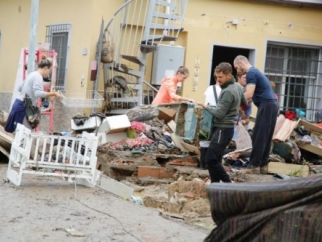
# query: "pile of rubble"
{"type": "Point", "coordinates": [156, 152]}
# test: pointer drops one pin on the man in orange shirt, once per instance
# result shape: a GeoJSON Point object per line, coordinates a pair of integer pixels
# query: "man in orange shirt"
{"type": "Point", "coordinates": [168, 89]}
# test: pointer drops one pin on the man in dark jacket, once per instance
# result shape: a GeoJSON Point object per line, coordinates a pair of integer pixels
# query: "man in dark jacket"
{"type": "Point", "coordinates": [259, 90]}
{"type": "Point", "coordinates": [225, 117]}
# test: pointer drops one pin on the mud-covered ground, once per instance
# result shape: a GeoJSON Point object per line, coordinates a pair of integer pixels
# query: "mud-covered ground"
{"type": "Point", "coordinates": [50, 209]}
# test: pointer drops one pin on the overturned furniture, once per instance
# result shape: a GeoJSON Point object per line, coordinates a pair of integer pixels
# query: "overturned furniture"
{"type": "Point", "coordinates": [50, 155]}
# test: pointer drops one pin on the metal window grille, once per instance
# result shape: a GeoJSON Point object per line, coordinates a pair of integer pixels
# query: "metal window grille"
{"type": "Point", "coordinates": [57, 36]}
{"type": "Point", "coordinates": [295, 73]}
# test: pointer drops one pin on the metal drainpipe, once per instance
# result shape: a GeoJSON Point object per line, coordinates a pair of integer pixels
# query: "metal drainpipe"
{"type": "Point", "coordinates": [33, 35]}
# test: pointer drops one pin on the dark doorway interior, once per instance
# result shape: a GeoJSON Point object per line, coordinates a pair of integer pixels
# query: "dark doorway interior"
{"type": "Point", "coordinates": [225, 54]}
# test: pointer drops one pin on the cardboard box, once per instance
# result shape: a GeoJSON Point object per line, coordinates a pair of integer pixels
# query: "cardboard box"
{"type": "Point", "coordinates": [90, 124]}
{"type": "Point", "coordinates": [117, 124]}
{"type": "Point", "coordinates": [167, 114]}
{"type": "Point", "coordinates": [315, 131]}
{"type": "Point", "coordinates": [115, 137]}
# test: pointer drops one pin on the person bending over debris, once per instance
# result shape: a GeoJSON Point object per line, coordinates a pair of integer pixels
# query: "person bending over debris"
{"type": "Point", "coordinates": [33, 87]}
{"type": "Point", "coordinates": [168, 89]}
{"type": "Point", "coordinates": [225, 116]}
{"type": "Point", "coordinates": [259, 90]}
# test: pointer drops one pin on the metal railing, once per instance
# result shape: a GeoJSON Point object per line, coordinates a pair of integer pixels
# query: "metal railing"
{"type": "Point", "coordinates": [135, 30]}
{"type": "Point", "coordinates": [136, 23]}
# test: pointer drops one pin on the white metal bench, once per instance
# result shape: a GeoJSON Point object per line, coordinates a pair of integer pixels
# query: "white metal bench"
{"type": "Point", "coordinates": [51, 155]}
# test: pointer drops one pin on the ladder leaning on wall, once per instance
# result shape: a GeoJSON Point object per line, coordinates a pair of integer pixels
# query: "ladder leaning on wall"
{"type": "Point", "coordinates": [47, 87]}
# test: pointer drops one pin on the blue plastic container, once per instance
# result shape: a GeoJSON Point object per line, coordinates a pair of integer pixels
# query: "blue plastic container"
{"type": "Point", "coordinates": [187, 117]}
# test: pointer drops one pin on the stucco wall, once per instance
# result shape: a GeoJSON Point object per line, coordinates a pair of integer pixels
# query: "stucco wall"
{"type": "Point", "coordinates": [208, 23]}
{"type": "Point", "coordinates": [83, 15]}
{"type": "Point", "coordinates": [85, 19]}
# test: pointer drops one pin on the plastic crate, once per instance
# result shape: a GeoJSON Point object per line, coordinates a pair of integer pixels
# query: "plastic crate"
{"type": "Point", "coordinates": [82, 99]}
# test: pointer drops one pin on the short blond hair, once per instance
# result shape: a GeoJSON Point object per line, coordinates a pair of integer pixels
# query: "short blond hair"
{"type": "Point", "coordinates": [241, 58]}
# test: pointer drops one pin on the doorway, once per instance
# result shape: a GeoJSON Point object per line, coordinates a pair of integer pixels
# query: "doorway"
{"type": "Point", "coordinates": [228, 54]}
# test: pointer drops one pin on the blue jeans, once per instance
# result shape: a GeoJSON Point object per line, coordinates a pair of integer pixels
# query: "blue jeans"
{"type": "Point", "coordinates": [215, 152]}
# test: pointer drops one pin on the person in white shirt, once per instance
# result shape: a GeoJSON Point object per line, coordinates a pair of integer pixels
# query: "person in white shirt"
{"type": "Point", "coordinates": [210, 97]}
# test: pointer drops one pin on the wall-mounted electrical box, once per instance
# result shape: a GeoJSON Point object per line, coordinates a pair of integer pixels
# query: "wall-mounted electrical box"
{"type": "Point", "coordinates": [166, 61]}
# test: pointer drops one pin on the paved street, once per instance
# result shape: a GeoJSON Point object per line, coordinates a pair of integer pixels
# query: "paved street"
{"type": "Point", "coordinates": [44, 208]}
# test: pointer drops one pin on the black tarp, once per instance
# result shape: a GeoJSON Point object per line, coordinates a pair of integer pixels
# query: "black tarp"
{"type": "Point", "coordinates": [287, 211]}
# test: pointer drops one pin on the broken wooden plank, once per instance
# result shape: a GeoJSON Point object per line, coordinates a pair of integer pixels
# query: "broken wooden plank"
{"type": "Point", "coordinates": [5, 152]}
{"type": "Point", "coordinates": [172, 125]}
{"type": "Point", "coordinates": [108, 184]}
{"type": "Point", "coordinates": [190, 148]}
{"type": "Point", "coordinates": [5, 136]}
{"type": "Point", "coordinates": [288, 169]}
{"type": "Point", "coordinates": [177, 141]}
{"type": "Point", "coordinates": [313, 129]}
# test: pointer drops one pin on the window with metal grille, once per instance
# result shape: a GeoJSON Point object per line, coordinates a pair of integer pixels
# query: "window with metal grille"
{"type": "Point", "coordinates": [295, 73]}
{"type": "Point", "coordinates": [58, 37]}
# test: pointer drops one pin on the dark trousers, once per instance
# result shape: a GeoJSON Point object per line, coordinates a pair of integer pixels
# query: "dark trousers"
{"type": "Point", "coordinates": [16, 115]}
{"type": "Point", "coordinates": [263, 133]}
{"type": "Point", "coordinates": [219, 141]}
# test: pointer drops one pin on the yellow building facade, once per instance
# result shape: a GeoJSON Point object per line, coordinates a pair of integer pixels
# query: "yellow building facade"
{"type": "Point", "coordinates": [214, 31]}
{"type": "Point", "coordinates": [228, 28]}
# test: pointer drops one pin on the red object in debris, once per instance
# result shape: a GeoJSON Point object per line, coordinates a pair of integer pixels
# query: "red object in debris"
{"type": "Point", "coordinates": [138, 126]}
{"type": "Point", "coordinates": [244, 107]}
{"type": "Point", "coordinates": [290, 115]}
{"type": "Point", "coordinates": [319, 125]}
{"type": "Point", "coordinates": [155, 172]}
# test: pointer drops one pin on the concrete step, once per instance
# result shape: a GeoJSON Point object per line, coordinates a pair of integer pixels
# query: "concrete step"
{"type": "Point", "coordinates": [133, 59]}
{"type": "Point", "coordinates": [129, 72]}
{"type": "Point", "coordinates": [158, 38]}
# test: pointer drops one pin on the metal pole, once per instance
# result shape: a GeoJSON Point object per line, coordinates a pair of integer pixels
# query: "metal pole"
{"type": "Point", "coordinates": [98, 59]}
{"type": "Point", "coordinates": [33, 35]}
